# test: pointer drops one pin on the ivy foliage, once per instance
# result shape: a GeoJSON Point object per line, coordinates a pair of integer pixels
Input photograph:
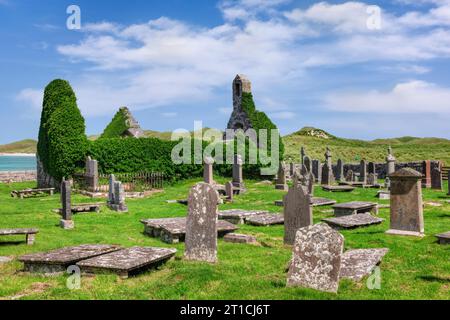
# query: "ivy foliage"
{"type": "Point", "coordinates": [62, 143]}
{"type": "Point", "coordinates": [117, 126]}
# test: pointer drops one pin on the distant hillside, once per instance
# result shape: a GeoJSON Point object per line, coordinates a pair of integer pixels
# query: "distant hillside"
{"type": "Point", "coordinates": [349, 150]}
{"type": "Point", "coordinates": [24, 146]}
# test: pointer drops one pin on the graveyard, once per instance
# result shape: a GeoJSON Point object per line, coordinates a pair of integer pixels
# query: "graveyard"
{"type": "Point", "coordinates": [414, 268]}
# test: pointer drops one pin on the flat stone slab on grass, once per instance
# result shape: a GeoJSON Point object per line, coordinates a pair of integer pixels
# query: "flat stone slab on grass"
{"type": "Point", "coordinates": [338, 188]}
{"type": "Point", "coordinates": [30, 233]}
{"type": "Point", "coordinates": [57, 261]}
{"type": "Point", "coordinates": [444, 238]}
{"type": "Point", "coordinates": [127, 262]}
{"type": "Point", "coordinates": [355, 207]}
{"type": "Point", "coordinates": [238, 216]}
{"type": "Point", "coordinates": [84, 208]}
{"type": "Point", "coordinates": [239, 238]}
{"type": "Point", "coordinates": [318, 202]}
{"type": "Point", "coordinates": [354, 184]}
{"type": "Point", "coordinates": [173, 230]}
{"type": "Point", "coordinates": [263, 220]}
{"type": "Point", "coordinates": [353, 221]}
{"type": "Point", "coordinates": [357, 264]}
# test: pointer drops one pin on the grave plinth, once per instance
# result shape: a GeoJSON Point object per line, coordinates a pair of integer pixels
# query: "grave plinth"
{"type": "Point", "coordinates": [355, 207]}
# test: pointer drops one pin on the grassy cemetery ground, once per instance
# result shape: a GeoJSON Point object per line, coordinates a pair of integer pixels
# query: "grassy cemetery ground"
{"type": "Point", "coordinates": [413, 269]}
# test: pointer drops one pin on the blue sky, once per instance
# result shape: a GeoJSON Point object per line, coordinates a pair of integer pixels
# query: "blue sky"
{"type": "Point", "coordinates": [172, 62]}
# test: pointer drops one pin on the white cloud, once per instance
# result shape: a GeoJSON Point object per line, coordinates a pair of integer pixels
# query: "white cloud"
{"type": "Point", "coordinates": [32, 97]}
{"type": "Point", "coordinates": [408, 97]}
{"type": "Point", "coordinates": [283, 115]}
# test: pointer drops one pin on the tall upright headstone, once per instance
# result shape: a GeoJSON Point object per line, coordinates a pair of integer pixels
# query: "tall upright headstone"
{"type": "Point", "coordinates": [363, 171]}
{"type": "Point", "coordinates": [292, 169]}
{"type": "Point", "coordinates": [201, 224]}
{"type": "Point", "coordinates": [91, 174]}
{"type": "Point", "coordinates": [426, 170]}
{"type": "Point", "coordinates": [281, 178]}
{"type": "Point", "coordinates": [406, 203]}
{"type": "Point", "coordinates": [317, 170]}
{"type": "Point", "coordinates": [297, 211]}
{"type": "Point", "coordinates": [329, 158]}
{"type": "Point", "coordinates": [349, 177]}
{"type": "Point", "coordinates": [307, 163]}
{"type": "Point", "coordinates": [327, 175]}
{"type": "Point", "coordinates": [390, 162]}
{"type": "Point", "coordinates": [372, 179]}
{"type": "Point", "coordinates": [340, 170]}
{"type": "Point", "coordinates": [302, 155]}
{"type": "Point", "coordinates": [118, 198]}
{"type": "Point", "coordinates": [238, 179]}
{"type": "Point", "coordinates": [317, 256]}
{"type": "Point", "coordinates": [112, 180]}
{"type": "Point", "coordinates": [436, 178]}
{"type": "Point", "coordinates": [66, 211]}
{"type": "Point", "coordinates": [208, 175]}
{"type": "Point", "coordinates": [371, 168]}
{"type": "Point", "coordinates": [229, 191]}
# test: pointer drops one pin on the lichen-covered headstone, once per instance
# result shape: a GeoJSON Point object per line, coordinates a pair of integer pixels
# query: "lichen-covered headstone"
{"type": "Point", "coordinates": [327, 175]}
{"type": "Point", "coordinates": [281, 178]}
{"type": "Point", "coordinates": [201, 224]}
{"type": "Point", "coordinates": [406, 203]}
{"type": "Point", "coordinates": [118, 198]}
{"type": "Point", "coordinates": [316, 261]}
{"type": "Point", "coordinates": [297, 211]}
{"type": "Point", "coordinates": [91, 174]}
{"type": "Point", "coordinates": [66, 199]}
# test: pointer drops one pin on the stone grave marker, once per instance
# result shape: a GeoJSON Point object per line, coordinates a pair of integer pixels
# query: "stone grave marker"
{"type": "Point", "coordinates": [371, 169]}
{"type": "Point", "coordinates": [297, 211]}
{"type": "Point", "coordinates": [229, 190]}
{"type": "Point", "coordinates": [363, 172]}
{"type": "Point", "coordinates": [112, 180]}
{"type": "Point", "coordinates": [390, 162]}
{"type": "Point", "coordinates": [317, 170]}
{"type": "Point", "coordinates": [239, 238]}
{"type": "Point", "coordinates": [353, 221]}
{"type": "Point", "coordinates": [426, 170]}
{"type": "Point", "coordinates": [238, 178]}
{"type": "Point", "coordinates": [118, 198]}
{"type": "Point", "coordinates": [349, 177]}
{"type": "Point", "coordinates": [443, 238]}
{"type": "Point", "coordinates": [66, 200]}
{"type": "Point", "coordinates": [281, 178]}
{"type": "Point", "coordinates": [317, 255]}
{"type": "Point", "coordinates": [327, 175]}
{"type": "Point", "coordinates": [91, 174]}
{"type": "Point", "coordinates": [328, 158]}
{"type": "Point", "coordinates": [201, 224]}
{"type": "Point", "coordinates": [436, 179]}
{"type": "Point", "coordinates": [406, 203]}
{"type": "Point", "coordinates": [340, 170]}
{"type": "Point", "coordinates": [372, 179]}
{"type": "Point", "coordinates": [359, 263]}
{"type": "Point", "coordinates": [208, 176]}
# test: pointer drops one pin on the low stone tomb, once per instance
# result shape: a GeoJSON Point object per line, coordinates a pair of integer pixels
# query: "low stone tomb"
{"type": "Point", "coordinates": [29, 193]}
{"type": "Point", "coordinates": [173, 230]}
{"type": "Point", "coordinates": [57, 261]}
{"type": "Point", "coordinates": [353, 221]}
{"type": "Point", "coordinates": [84, 208]}
{"type": "Point", "coordinates": [127, 262]}
{"type": "Point", "coordinates": [341, 188]}
{"type": "Point", "coordinates": [238, 216]}
{"type": "Point", "coordinates": [443, 238]}
{"type": "Point", "coordinates": [384, 195]}
{"type": "Point", "coordinates": [239, 238]}
{"type": "Point", "coordinates": [263, 220]}
{"type": "Point", "coordinates": [355, 207]}
{"type": "Point", "coordinates": [30, 234]}
{"type": "Point", "coordinates": [357, 264]}
{"type": "Point", "coordinates": [315, 202]}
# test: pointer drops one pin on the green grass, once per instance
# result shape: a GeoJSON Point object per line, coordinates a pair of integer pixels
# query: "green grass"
{"type": "Point", "coordinates": [413, 269]}
{"type": "Point", "coordinates": [23, 146]}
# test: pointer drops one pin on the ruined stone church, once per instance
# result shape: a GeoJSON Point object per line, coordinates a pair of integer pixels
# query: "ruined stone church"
{"type": "Point", "coordinates": [239, 118]}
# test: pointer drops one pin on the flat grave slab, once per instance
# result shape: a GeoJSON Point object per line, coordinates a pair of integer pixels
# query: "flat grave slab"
{"type": "Point", "coordinates": [443, 238]}
{"type": "Point", "coordinates": [173, 230]}
{"type": "Point", "coordinates": [84, 208]}
{"type": "Point", "coordinates": [353, 221]}
{"type": "Point", "coordinates": [30, 234]}
{"type": "Point", "coordinates": [357, 264]}
{"type": "Point", "coordinates": [384, 195]}
{"type": "Point", "coordinates": [315, 202]}
{"type": "Point", "coordinates": [127, 262]}
{"type": "Point", "coordinates": [239, 238]}
{"type": "Point", "coordinates": [28, 193]}
{"type": "Point", "coordinates": [238, 216]}
{"type": "Point", "coordinates": [57, 261]}
{"type": "Point", "coordinates": [354, 184]}
{"type": "Point", "coordinates": [355, 207]}
{"type": "Point", "coordinates": [268, 219]}
{"type": "Point", "coordinates": [338, 188]}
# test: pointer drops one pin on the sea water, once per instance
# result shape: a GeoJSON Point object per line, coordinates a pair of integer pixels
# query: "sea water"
{"type": "Point", "coordinates": [17, 163]}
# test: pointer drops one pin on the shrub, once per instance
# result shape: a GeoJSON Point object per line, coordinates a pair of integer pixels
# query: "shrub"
{"type": "Point", "coordinates": [116, 127]}
{"type": "Point", "coordinates": [62, 141]}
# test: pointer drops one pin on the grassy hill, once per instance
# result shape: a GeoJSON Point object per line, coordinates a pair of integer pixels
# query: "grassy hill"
{"type": "Point", "coordinates": [405, 149]}
{"type": "Point", "coordinates": [24, 146]}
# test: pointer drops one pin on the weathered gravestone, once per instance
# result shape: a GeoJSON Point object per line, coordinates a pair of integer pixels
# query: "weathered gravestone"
{"type": "Point", "coordinates": [281, 178]}
{"type": "Point", "coordinates": [327, 175]}
{"type": "Point", "coordinates": [229, 190]}
{"type": "Point", "coordinates": [201, 224]}
{"type": "Point", "coordinates": [307, 164]}
{"type": "Point", "coordinates": [297, 211]}
{"type": "Point", "coordinates": [371, 169]}
{"type": "Point", "coordinates": [443, 238]}
{"type": "Point", "coordinates": [436, 178]}
{"type": "Point", "coordinates": [66, 200]}
{"type": "Point", "coordinates": [292, 169]}
{"type": "Point", "coordinates": [349, 177]}
{"type": "Point", "coordinates": [208, 176]}
{"type": "Point", "coordinates": [406, 203]}
{"type": "Point", "coordinates": [317, 170]}
{"type": "Point", "coordinates": [390, 162]}
{"type": "Point", "coordinates": [302, 155]}
{"type": "Point", "coordinates": [426, 170]}
{"type": "Point", "coordinates": [112, 180]}
{"type": "Point", "coordinates": [340, 170]}
{"type": "Point", "coordinates": [328, 158]}
{"type": "Point", "coordinates": [372, 179]}
{"type": "Point", "coordinates": [238, 179]}
{"type": "Point", "coordinates": [91, 174]}
{"type": "Point", "coordinates": [118, 198]}
{"type": "Point", "coordinates": [316, 259]}
{"type": "Point", "coordinates": [363, 172]}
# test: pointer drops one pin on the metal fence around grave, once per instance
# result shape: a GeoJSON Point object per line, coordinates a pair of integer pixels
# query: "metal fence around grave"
{"type": "Point", "coordinates": [132, 182]}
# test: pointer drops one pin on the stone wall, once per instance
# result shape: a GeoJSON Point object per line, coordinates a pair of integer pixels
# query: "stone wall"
{"type": "Point", "coordinates": [17, 176]}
